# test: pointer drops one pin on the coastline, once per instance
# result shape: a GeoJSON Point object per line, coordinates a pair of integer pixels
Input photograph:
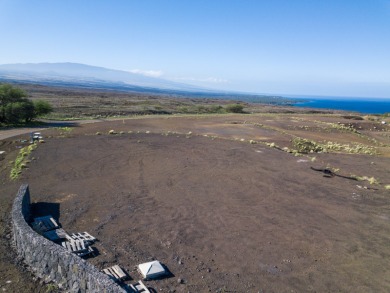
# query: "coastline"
{"type": "Point", "coordinates": [363, 106]}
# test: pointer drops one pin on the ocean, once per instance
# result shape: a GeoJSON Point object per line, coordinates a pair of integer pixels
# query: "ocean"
{"type": "Point", "coordinates": [361, 105]}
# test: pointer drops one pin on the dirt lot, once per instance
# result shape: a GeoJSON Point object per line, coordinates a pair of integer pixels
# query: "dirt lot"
{"type": "Point", "coordinates": [222, 214]}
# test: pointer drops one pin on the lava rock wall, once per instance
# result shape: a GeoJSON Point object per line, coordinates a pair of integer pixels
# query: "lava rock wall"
{"type": "Point", "coordinates": [50, 261]}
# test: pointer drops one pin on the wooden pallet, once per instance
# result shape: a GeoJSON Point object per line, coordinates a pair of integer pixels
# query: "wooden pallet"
{"type": "Point", "coordinates": [116, 273]}
{"type": "Point", "coordinates": [89, 251]}
{"type": "Point", "coordinates": [140, 287]}
{"type": "Point", "coordinates": [85, 236]}
{"type": "Point", "coordinates": [56, 235]}
{"type": "Point", "coordinates": [44, 224]}
{"type": "Point", "coordinates": [75, 245]}
{"type": "Point", "coordinates": [78, 247]}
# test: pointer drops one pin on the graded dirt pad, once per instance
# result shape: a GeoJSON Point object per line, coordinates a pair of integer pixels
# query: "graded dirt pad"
{"type": "Point", "coordinates": [223, 215]}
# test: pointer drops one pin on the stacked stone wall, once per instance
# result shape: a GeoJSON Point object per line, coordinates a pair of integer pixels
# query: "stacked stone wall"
{"type": "Point", "coordinates": [50, 261]}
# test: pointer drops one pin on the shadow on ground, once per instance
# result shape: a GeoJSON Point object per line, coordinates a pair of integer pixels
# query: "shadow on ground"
{"type": "Point", "coordinates": [40, 209]}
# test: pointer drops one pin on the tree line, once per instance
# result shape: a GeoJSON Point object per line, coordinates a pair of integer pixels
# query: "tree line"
{"type": "Point", "coordinates": [16, 108]}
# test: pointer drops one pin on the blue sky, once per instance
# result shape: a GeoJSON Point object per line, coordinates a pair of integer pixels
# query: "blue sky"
{"type": "Point", "coordinates": [311, 47]}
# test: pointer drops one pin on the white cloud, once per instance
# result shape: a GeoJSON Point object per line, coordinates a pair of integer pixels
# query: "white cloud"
{"type": "Point", "coordinates": [152, 73]}
{"type": "Point", "coordinates": [206, 80]}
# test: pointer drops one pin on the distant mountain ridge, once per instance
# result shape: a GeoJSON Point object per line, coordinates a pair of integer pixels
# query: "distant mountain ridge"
{"type": "Point", "coordinates": [77, 73]}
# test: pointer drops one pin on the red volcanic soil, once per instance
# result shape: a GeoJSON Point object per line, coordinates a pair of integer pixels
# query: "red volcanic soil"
{"type": "Point", "coordinates": [221, 214]}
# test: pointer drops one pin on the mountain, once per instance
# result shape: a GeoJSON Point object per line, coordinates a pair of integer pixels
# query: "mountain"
{"type": "Point", "coordinates": [82, 75]}
{"type": "Point", "coordinates": [77, 75]}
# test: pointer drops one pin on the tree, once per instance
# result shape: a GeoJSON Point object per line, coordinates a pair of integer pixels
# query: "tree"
{"type": "Point", "coordinates": [234, 108]}
{"type": "Point", "coordinates": [42, 108]}
{"type": "Point", "coordinates": [19, 112]}
{"type": "Point", "coordinates": [10, 94]}
{"type": "Point", "coordinates": [16, 108]}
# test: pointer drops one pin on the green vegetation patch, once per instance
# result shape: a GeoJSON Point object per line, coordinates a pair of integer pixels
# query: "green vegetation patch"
{"type": "Point", "coordinates": [371, 180]}
{"type": "Point", "coordinates": [65, 130]}
{"type": "Point", "coordinates": [343, 128]}
{"type": "Point", "coordinates": [305, 146]}
{"type": "Point", "coordinates": [210, 109]}
{"type": "Point", "coordinates": [356, 148]}
{"type": "Point", "coordinates": [21, 161]}
{"type": "Point", "coordinates": [234, 108]}
{"type": "Point", "coordinates": [201, 109]}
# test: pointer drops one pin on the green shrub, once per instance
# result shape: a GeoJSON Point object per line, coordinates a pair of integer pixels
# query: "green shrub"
{"type": "Point", "coordinates": [234, 108]}
{"type": "Point", "coordinates": [182, 109]}
{"type": "Point", "coordinates": [305, 146]}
